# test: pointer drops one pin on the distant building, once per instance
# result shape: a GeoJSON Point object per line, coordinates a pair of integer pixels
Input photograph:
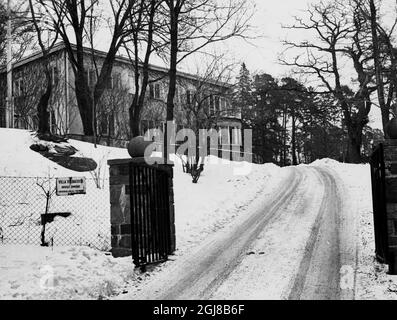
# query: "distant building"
{"type": "Point", "coordinates": [112, 114]}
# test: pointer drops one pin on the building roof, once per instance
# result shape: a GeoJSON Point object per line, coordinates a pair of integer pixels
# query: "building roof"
{"type": "Point", "coordinates": [119, 58]}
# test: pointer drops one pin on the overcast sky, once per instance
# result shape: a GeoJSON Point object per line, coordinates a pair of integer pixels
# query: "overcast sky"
{"type": "Point", "coordinates": [268, 19]}
{"type": "Point", "coordinates": [260, 54]}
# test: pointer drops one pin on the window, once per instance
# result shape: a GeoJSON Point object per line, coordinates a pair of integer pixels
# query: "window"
{"type": "Point", "coordinates": [103, 125]}
{"type": "Point", "coordinates": [181, 96]}
{"type": "Point", "coordinates": [176, 97]}
{"type": "Point", "coordinates": [35, 122]}
{"type": "Point", "coordinates": [237, 138]}
{"type": "Point", "coordinates": [106, 124]}
{"type": "Point", "coordinates": [116, 84]}
{"type": "Point", "coordinates": [188, 97]}
{"type": "Point", "coordinates": [131, 83]}
{"type": "Point", "coordinates": [18, 87]}
{"type": "Point", "coordinates": [114, 81]}
{"type": "Point", "coordinates": [212, 109]}
{"type": "Point", "coordinates": [224, 135]}
{"type": "Point", "coordinates": [155, 91]}
{"type": "Point", "coordinates": [54, 75]}
{"type": "Point", "coordinates": [217, 104]}
{"type": "Point", "coordinates": [111, 124]}
{"type": "Point", "coordinates": [205, 101]}
{"type": "Point", "coordinates": [151, 91]}
{"type": "Point", "coordinates": [92, 78]}
{"type": "Point", "coordinates": [18, 123]}
{"type": "Point", "coordinates": [195, 99]}
{"type": "Point", "coordinates": [223, 104]}
{"type": "Point", "coordinates": [53, 122]}
{"type": "Point", "coordinates": [109, 83]}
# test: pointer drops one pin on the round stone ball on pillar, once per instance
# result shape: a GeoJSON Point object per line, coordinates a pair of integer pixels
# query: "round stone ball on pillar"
{"type": "Point", "coordinates": [137, 146]}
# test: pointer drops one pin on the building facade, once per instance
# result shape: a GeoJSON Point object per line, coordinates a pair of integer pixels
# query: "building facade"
{"type": "Point", "coordinates": [199, 103]}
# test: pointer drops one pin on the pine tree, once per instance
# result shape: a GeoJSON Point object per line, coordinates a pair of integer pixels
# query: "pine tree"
{"type": "Point", "coordinates": [243, 94]}
{"type": "Point", "coordinates": [266, 127]}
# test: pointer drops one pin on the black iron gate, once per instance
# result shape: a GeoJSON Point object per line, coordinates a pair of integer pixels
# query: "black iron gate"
{"type": "Point", "coordinates": [150, 214]}
{"type": "Point", "coordinates": [379, 203]}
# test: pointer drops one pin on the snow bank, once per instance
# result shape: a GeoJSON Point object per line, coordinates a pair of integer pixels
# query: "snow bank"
{"type": "Point", "coordinates": [18, 160]}
{"type": "Point", "coordinates": [33, 272]}
{"type": "Point", "coordinates": [326, 162]}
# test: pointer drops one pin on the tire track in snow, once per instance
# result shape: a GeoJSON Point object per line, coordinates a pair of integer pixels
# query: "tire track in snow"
{"type": "Point", "coordinates": [200, 273]}
{"type": "Point", "coordinates": [326, 252]}
{"type": "Point", "coordinates": [280, 245]}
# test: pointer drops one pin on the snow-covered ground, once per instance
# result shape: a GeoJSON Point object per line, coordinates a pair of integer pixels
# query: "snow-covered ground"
{"type": "Point", "coordinates": [78, 272]}
{"type": "Point", "coordinates": [372, 282]}
{"type": "Point", "coordinates": [17, 160]}
{"type": "Point", "coordinates": [22, 200]}
{"type": "Point", "coordinates": [272, 260]}
{"type": "Point", "coordinates": [220, 197]}
{"type": "Point", "coordinates": [33, 272]}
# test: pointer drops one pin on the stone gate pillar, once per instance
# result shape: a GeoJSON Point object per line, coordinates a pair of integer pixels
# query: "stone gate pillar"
{"type": "Point", "coordinates": [120, 212]}
{"type": "Point", "coordinates": [390, 158]}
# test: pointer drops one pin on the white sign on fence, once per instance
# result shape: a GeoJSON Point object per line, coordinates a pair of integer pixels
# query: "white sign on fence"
{"type": "Point", "coordinates": [71, 186]}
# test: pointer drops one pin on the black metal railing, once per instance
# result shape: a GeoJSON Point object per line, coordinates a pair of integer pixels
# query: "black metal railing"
{"type": "Point", "coordinates": [150, 214]}
{"type": "Point", "coordinates": [379, 203]}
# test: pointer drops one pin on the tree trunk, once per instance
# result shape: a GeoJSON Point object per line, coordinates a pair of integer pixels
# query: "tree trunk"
{"type": "Point", "coordinates": [140, 94]}
{"type": "Point", "coordinates": [378, 68]}
{"type": "Point", "coordinates": [172, 73]}
{"type": "Point", "coordinates": [293, 141]}
{"type": "Point", "coordinates": [172, 89]}
{"type": "Point", "coordinates": [135, 119]}
{"type": "Point", "coordinates": [173, 61]}
{"type": "Point", "coordinates": [84, 103]}
{"type": "Point", "coordinates": [284, 138]}
{"type": "Point", "coordinates": [354, 145]}
{"type": "Point", "coordinates": [42, 110]}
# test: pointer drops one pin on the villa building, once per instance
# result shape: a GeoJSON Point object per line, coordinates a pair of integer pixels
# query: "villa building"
{"type": "Point", "coordinates": [211, 98]}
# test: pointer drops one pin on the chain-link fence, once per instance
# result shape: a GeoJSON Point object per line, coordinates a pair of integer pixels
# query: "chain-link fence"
{"type": "Point", "coordinates": [79, 220]}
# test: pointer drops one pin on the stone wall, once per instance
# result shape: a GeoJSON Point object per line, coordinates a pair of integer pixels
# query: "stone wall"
{"type": "Point", "coordinates": [120, 205]}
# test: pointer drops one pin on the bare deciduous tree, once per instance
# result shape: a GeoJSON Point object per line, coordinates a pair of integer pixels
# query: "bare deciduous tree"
{"type": "Point", "coordinates": [208, 99]}
{"type": "Point", "coordinates": [40, 26]}
{"type": "Point", "coordinates": [343, 36]}
{"type": "Point", "coordinates": [194, 25]}
{"type": "Point", "coordinates": [74, 17]}
{"type": "Point", "coordinates": [22, 31]}
{"type": "Point", "coordinates": [145, 22]}
{"type": "Point", "coordinates": [384, 56]}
